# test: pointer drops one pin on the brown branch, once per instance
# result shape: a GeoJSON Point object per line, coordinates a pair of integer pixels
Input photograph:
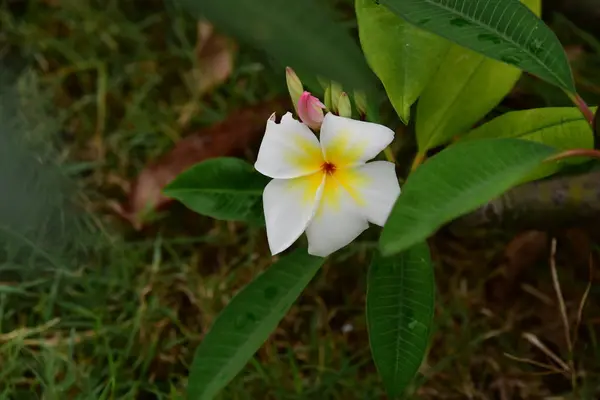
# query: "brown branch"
{"type": "Point", "coordinates": [561, 202]}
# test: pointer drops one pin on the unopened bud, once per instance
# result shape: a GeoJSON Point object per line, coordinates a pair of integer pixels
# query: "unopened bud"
{"type": "Point", "coordinates": [310, 110]}
{"type": "Point", "coordinates": [344, 106]}
{"type": "Point", "coordinates": [294, 85]}
{"type": "Point", "coordinates": [327, 98]}
{"type": "Point", "coordinates": [361, 103]}
{"type": "Point", "coordinates": [336, 91]}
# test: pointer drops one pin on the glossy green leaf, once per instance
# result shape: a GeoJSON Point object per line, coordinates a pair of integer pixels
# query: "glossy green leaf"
{"type": "Point", "coordinates": [224, 188]}
{"type": "Point", "coordinates": [461, 93]}
{"type": "Point", "coordinates": [400, 305]}
{"type": "Point", "coordinates": [247, 321]}
{"type": "Point", "coordinates": [454, 182]}
{"type": "Point", "coordinates": [306, 35]}
{"type": "Point", "coordinates": [505, 30]}
{"type": "Point", "coordinates": [561, 127]}
{"type": "Point", "coordinates": [402, 56]}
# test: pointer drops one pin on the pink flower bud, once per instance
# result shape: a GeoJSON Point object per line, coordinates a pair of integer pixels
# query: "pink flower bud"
{"type": "Point", "coordinates": [310, 110]}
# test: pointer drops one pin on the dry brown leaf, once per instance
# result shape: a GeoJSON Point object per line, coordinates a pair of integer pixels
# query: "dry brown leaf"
{"type": "Point", "coordinates": [523, 251]}
{"type": "Point", "coordinates": [233, 135]}
{"type": "Point", "coordinates": [215, 54]}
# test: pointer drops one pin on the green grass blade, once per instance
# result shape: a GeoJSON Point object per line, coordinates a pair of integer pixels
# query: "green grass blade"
{"type": "Point", "coordinates": [505, 30]}
{"type": "Point", "coordinates": [456, 181]}
{"type": "Point", "coordinates": [400, 305]}
{"type": "Point", "coordinates": [247, 321]}
{"type": "Point", "coordinates": [224, 188]}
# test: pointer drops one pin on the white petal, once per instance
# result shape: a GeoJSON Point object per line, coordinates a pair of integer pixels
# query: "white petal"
{"type": "Point", "coordinates": [338, 220]}
{"type": "Point", "coordinates": [288, 150]}
{"type": "Point", "coordinates": [378, 189]}
{"type": "Point", "coordinates": [347, 142]}
{"type": "Point", "coordinates": [289, 205]}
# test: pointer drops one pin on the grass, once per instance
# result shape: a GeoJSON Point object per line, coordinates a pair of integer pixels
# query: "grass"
{"type": "Point", "coordinates": [108, 312]}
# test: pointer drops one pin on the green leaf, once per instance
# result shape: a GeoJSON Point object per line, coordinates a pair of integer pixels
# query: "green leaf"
{"type": "Point", "coordinates": [247, 321]}
{"type": "Point", "coordinates": [454, 182]}
{"type": "Point", "coordinates": [461, 93]}
{"type": "Point", "coordinates": [505, 30]}
{"type": "Point", "coordinates": [224, 188]}
{"type": "Point", "coordinates": [305, 35]}
{"type": "Point", "coordinates": [402, 56]}
{"type": "Point", "coordinates": [561, 127]}
{"type": "Point", "coordinates": [400, 305]}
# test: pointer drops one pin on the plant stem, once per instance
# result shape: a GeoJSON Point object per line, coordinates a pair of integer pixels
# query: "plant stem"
{"type": "Point", "coordinates": [389, 154]}
{"type": "Point", "coordinates": [591, 153]}
{"type": "Point", "coordinates": [583, 107]}
{"type": "Point", "coordinates": [419, 158]}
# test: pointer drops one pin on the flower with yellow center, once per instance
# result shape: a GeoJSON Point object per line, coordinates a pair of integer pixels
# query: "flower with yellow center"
{"type": "Point", "coordinates": [325, 189]}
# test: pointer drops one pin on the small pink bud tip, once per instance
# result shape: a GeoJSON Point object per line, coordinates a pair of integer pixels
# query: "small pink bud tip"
{"type": "Point", "coordinates": [310, 110]}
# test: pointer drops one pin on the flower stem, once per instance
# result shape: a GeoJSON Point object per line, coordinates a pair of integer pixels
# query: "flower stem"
{"type": "Point", "coordinates": [389, 154]}
{"type": "Point", "coordinates": [591, 153]}
{"type": "Point", "coordinates": [419, 158]}
{"type": "Point", "coordinates": [583, 107]}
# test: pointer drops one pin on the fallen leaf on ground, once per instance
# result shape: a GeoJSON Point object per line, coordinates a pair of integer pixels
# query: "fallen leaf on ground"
{"type": "Point", "coordinates": [215, 57]}
{"type": "Point", "coordinates": [215, 54]}
{"type": "Point", "coordinates": [242, 129]}
{"type": "Point", "coordinates": [521, 253]}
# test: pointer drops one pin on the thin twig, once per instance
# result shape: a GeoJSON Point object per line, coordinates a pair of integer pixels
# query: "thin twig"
{"type": "Point", "coordinates": [536, 363]}
{"type": "Point", "coordinates": [563, 313]}
{"type": "Point", "coordinates": [559, 296]}
{"type": "Point", "coordinates": [583, 301]}
{"type": "Point", "coordinates": [531, 338]}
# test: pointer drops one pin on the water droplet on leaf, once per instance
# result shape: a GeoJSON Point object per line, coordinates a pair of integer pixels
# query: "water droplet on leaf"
{"type": "Point", "coordinates": [535, 47]}
{"type": "Point", "coordinates": [460, 22]}
{"type": "Point", "coordinates": [514, 60]}
{"type": "Point", "coordinates": [241, 321]}
{"type": "Point", "coordinates": [270, 292]}
{"type": "Point", "coordinates": [489, 37]}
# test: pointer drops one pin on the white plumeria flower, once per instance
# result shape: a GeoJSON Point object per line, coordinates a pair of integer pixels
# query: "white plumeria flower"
{"type": "Point", "coordinates": [325, 189]}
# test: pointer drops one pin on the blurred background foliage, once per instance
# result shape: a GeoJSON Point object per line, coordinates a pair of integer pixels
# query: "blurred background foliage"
{"type": "Point", "coordinates": [106, 288]}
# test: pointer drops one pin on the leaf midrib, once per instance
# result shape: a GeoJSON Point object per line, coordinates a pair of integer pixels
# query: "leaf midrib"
{"type": "Point", "coordinates": [507, 38]}
{"type": "Point", "coordinates": [567, 121]}
{"type": "Point", "coordinates": [550, 125]}
{"type": "Point", "coordinates": [399, 324]}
